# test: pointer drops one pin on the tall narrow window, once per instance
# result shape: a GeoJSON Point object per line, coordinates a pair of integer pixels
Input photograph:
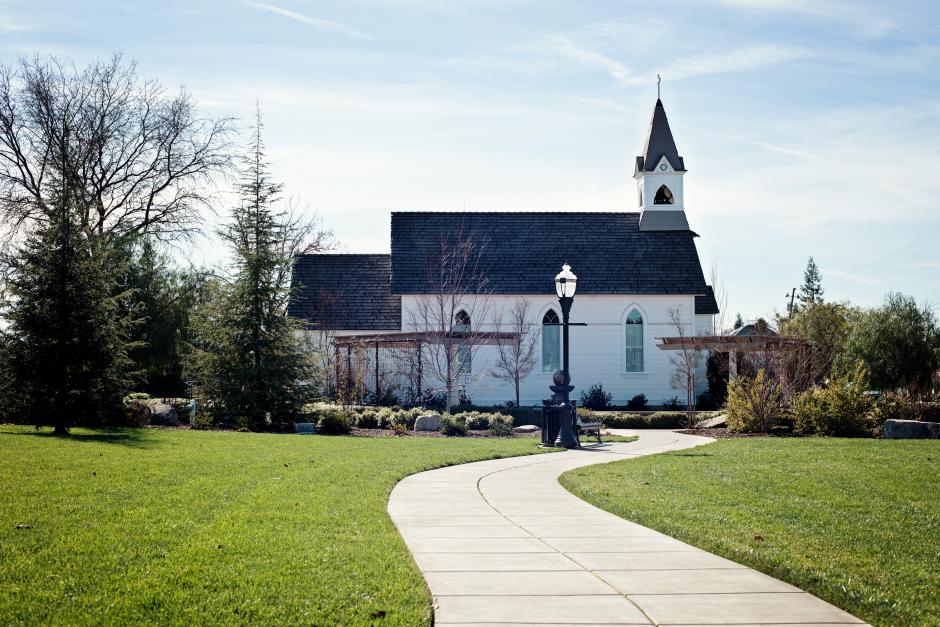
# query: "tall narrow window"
{"type": "Point", "coordinates": [634, 334]}
{"type": "Point", "coordinates": [551, 342]}
{"type": "Point", "coordinates": [464, 356]}
{"type": "Point", "coordinates": [663, 196]}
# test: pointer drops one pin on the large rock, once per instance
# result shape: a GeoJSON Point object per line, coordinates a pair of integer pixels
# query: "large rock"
{"type": "Point", "coordinates": [163, 415]}
{"type": "Point", "coordinates": [911, 429]}
{"type": "Point", "coordinates": [305, 427]}
{"type": "Point", "coordinates": [713, 423]}
{"type": "Point", "coordinates": [428, 422]}
{"type": "Point", "coordinates": [526, 429]}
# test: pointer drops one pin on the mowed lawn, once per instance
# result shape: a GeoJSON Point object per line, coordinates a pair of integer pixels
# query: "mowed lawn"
{"type": "Point", "coordinates": [171, 526]}
{"type": "Point", "coordinates": [855, 522]}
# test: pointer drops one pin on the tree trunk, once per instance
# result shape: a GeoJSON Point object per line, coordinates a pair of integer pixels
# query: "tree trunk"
{"type": "Point", "coordinates": [517, 392]}
{"type": "Point", "coordinates": [61, 428]}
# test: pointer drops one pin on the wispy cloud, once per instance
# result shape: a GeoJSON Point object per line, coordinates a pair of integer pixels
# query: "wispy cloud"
{"type": "Point", "coordinates": [605, 104]}
{"type": "Point", "coordinates": [864, 22]}
{"type": "Point", "coordinates": [567, 48]}
{"type": "Point", "coordinates": [738, 60]}
{"type": "Point", "coordinates": [848, 276]}
{"type": "Point", "coordinates": [319, 22]}
{"type": "Point", "coordinates": [793, 152]}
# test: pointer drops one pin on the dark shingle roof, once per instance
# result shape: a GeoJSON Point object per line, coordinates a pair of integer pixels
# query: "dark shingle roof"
{"type": "Point", "coordinates": [706, 303]}
{"type": "Point", "coordinates": [345, 292]}
{"type": "Point", "coordinates": [523, 252]}
{"type": "Point", "coordinates": [659, 142]}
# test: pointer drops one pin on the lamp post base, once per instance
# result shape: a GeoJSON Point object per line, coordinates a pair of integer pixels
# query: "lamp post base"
{"type": "Point", "coordinates": [566, 437]}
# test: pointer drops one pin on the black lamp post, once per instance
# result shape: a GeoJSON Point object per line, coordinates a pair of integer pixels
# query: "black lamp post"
{"type": "Point", "coordinates": [565, 285]}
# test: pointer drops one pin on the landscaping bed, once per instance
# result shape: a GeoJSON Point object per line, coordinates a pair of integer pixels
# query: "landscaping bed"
{"type": "Point", "coordinates": [853, 521]}
{"type": "Point", "coordinates": [180, 526]}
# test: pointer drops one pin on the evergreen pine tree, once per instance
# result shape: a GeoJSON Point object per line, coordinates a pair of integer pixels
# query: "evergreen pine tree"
{"type": "Point", "coordinates": [250, 364]}
{"type": "Point", "coordinates": [811, 291]}
{"type": "Point", "coordinates": [65, 341]}
{"type": "Point", "coordinates": [738, 322]}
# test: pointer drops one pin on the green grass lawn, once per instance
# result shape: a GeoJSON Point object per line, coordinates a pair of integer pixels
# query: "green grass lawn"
{"type": "Point", "coordinates": [171, 526]}
{"type": "Point", "coordinates": [855, 522]}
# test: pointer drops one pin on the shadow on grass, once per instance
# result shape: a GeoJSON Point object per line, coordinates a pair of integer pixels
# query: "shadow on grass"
{"type": "Point", "coordinates": [124, 436]}
{"type": "Point", "coordinates": [691, 454]}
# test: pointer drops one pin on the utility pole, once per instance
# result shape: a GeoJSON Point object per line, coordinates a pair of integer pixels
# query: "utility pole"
{"type": "Point", "coordinates": [791, 295]}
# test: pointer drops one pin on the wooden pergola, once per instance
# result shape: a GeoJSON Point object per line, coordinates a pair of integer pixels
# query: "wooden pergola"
{"type": "Point", "coordinates": [733, 344]}
{"type": "Point", "coordinates": [407, 340]}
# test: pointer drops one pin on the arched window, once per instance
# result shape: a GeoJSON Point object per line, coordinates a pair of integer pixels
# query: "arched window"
{"type": "Point", "coordinates": [551, 342]}
{"type": "Point", "coordinates": [634, 335]}
{"type": "Point", "coordinates": [464, 356]}
{"type": "Point", "coordinates": [663, 196]}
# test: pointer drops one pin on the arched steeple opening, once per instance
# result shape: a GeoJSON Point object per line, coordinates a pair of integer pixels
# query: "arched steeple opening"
{"type": "Point", "coordinates": [664, 196]}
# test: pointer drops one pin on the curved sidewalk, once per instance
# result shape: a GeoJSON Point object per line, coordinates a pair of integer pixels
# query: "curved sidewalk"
{"type": "Point", "coordinates": [501, 542]}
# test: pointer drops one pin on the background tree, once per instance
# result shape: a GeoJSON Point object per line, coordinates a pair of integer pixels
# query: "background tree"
{"type": "Point", "coordinates": [458, 292]}
{"type": "Point", "coordinates": [811, 291]}
{"type": "Point", "coordinates": [140, 160]}
{"type": "Point", "coordinates": [515, 357]}
{"type": "Point", "coordinates": [899, 343]}
{"type": "Point", "coordinates": [738, 321]}
{"type": "Point", "coordinates": [826, 326]}
{"type": "Point", "coordinates": [65, 342]}
{"type": "Point", "coordinates": [250, 362]}
{"type": "Point", "coordinates": [162, 298]}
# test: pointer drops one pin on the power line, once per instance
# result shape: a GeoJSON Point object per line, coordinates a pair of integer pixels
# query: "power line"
{"type": "Point", "coordinates": [899, 250]}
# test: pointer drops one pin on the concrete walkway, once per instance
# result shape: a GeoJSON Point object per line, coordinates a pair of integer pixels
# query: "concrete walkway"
{"type": "Point", "coordinates": [501, 542]}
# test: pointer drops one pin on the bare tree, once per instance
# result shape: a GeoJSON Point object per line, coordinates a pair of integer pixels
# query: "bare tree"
{"type": "Point", "coordinates": [456, 304]}
{"type": "Point", "coordinates": [686, 362]}
{"type": "Point", "coordinates": [516, 355]}
{"type": "Point", "coordinates": [721, 297]}
{"type": "Point", "coordinates": [139, 159]}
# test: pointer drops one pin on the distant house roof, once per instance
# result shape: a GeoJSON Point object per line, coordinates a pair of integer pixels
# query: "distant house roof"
{"type": "Point", "coordinates": [345, 292]}
{"type": "Point", "coordinates": [659, 143]}
{"type": "Point", "coordinates": [522, 252]}
{"type": "Point", "coordinates": [752, 329]}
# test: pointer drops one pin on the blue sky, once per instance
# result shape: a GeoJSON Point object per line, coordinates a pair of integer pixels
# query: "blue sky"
{"type": "Point", "coordinates": [808, 127]}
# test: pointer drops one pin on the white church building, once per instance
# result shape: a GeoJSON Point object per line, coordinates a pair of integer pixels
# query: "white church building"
{"type": "Point", "coordinates": [637, 271]}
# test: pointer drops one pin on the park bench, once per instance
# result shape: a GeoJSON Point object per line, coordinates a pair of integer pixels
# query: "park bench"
{"type": "Point", "coordinates": [591, 428]}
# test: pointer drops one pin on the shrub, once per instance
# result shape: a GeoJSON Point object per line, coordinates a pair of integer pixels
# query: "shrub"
{"type": "Point", "coordinates": [928, 411]}
{"type": "Point", "coordinates": [367, 419]}
{"type": "Point", "coordinates": [672, 404]}
{"type": "Point", "coordinates": [706, 402]}
{"type": "Point", "coordinates": [137, 396]}
{"type": "Point", "coordinates": [841, 408]}
{"type": "Point", "coordinates": [618, 420]}
{"type": "Point", "coordinates": [434, 400]}
{"type": "Point", "coordinates": [451, 425]}
{"type": "Point", "coordinates": [637, 403]}
{"type": "Point", "coordinates": [666, 420]}
{"type": "Point", "coordinates": [753, 404]}
{"type": "Point", "coordinates": [892, 407]}
{"type": "Point", "coordinates": [333, 422]}
{"type": "Point", "coordinates": [202, 421]}
{"type": "Point", "coordinates": [501, 425]}
{"type": "Point", "coordinates": [405, 417]}
{"type": "Point", "coordinates": [136, 412]}
{"type": "Point", "coordinates": [476, 421]}
{"type": "Point", "coordinates": [595, 397]}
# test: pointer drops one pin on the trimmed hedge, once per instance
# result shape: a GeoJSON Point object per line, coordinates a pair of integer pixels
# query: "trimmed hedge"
{"type": "Point", "coordinates": [627, 420]}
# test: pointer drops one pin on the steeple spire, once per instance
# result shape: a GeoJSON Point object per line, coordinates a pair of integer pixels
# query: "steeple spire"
{"type": "Point", "coordinates": [659, 143]}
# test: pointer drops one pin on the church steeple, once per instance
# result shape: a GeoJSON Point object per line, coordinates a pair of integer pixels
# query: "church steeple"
{"type": "Point", "coordinates": [659, 143]}
{"type": "Point", "coordinates": [658, 174]}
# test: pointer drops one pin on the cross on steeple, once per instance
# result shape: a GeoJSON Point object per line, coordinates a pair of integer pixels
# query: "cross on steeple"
{"type": "Point", "coordinates": [658, 81]}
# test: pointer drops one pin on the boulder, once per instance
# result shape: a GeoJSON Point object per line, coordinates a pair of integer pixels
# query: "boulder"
{"type": "Point", "coordinates": [428, 422]}
{"type": "Point", "coordinates": [911, 429]}
{"type": "Point", "coordinates": [713, 423]}
{"type": "Point", "coordinates": [526, 429]}
{"type": "Point", "coordinates": [164, 415]}
{"type": "Point", "coordinates": [305, 427]}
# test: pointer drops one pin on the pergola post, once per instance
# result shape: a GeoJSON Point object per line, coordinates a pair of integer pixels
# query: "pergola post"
{"type": "Point", "coordinates": [377, 372]}
{"type": "Point", "coordinates": [420, 366]}
{"type": "Point", "coordinates": [336, 368]}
